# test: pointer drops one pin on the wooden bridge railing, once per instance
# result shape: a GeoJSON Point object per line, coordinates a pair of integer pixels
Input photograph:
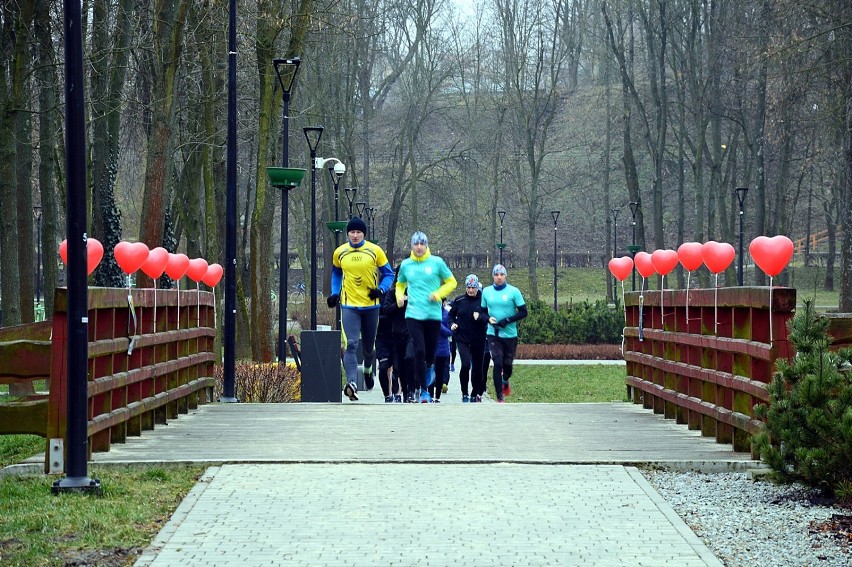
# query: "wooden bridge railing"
{"type": "Point", "coordinates": [168, 371]}
{"type": "Point", "coordinates": [709, 369]}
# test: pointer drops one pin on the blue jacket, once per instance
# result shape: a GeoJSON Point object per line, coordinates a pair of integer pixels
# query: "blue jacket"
{"type": "Point", "coordinates": [442, 349]}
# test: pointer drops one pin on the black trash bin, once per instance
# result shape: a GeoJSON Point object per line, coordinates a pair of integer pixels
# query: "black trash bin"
{"type": "Point", "coordinates": [321, 369]}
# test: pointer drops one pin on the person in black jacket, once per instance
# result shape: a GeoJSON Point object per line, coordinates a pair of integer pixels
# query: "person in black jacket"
{"type": "Point", "coordinates": [401, 349]}
{"type": "Point", "coordinates": [469, 323]}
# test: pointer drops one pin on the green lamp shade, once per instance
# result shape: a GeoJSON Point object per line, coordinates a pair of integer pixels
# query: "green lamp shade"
{"type": "Point", "coordinates": [501, 245]}
{"type": "Point", "coordinates": [337, 226]}
{"type": "Point", "coordinates": [633, 248]}
{"type": "Point", "coordinates": [285, 176]}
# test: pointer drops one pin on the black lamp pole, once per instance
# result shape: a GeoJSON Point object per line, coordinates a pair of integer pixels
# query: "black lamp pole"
{"type": "Point", "coordinates": [741, 194]}
{"type": "Point", "coordinates": [286, 69]}
{"type": "Point", "coordinates": [555, 215]}
{"type": "Point", "coordinates": [634, 208]}
{"type": "Point", "coordinates": [350, 193]}
{"type": "Point", "coordinates": [502, 215]}
{"type": "Point", "coordinates": [313, 135]}
{"type": "Point", "coordinates": [37, 215]}
{"type": "Point", "coordinates": [77, 394]}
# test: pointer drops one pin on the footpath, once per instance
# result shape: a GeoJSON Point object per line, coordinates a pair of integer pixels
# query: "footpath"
{"type": "Point", "coordinates": [370, 483]}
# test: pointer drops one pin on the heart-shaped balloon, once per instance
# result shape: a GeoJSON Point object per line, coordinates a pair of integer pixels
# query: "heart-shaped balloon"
{"type": "Point", "coordinates": [130, 256]}
{"type": "Point", "coordinates": [717, 256]}
{"type": "Point", "coordinates": [197, 269]}
{"type": "Point", "coordinates": [215, 271]}
{"type": "Point", "coordinates": [176, 265]}
{"type": "Point", "coordinates": [156, 262]}
{"type": "Point", "coordinates": [94, 253]}
{"type": "Point", "coordinates": [664, 261]}
{"type": "Point", "coordinates": [771, 254]}
{"type": "Point", "coordinates": [621, 267]}
{"type": "Point", "coordinates": [644, 264]}
{"type": "Point", "coordinates": [689, 254]}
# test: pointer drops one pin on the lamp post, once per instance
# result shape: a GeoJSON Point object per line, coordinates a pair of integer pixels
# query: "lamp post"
{"type": "Point", "coordinates": [350, 193]}
{"type": "Point", "coordinates": [360, 207]}
{"type": "Point", "coordinates": [614, 211]}
{"type": "Point", "coordinates": [502, 215]}
{"type": "Point", "coordinates": [634, 208]}
{"type": "Point", "coordinates": [741, 194]}
{"type": "Point", "coordinates": [286, 69]}
{"type": "Point", "coordinates": [371, 216]}
{"type": "Point", "coordinates": [313, 135]}
{"type": "Point", "coordinates": [37, 215]}
{"type": "Point", "coordinates": [555, 215]}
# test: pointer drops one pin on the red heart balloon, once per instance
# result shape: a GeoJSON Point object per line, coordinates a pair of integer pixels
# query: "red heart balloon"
{"type": "Point", "coordinates": [644, 264]}
{"type": "Point", "coordinates": [621, 267]}
{"type": "Point", "coordinates": [215, 271]}
{"type": "Point", "coordinates": [94, 253]}
{"type": "Point", "coordinates": [664, 261]}
{"type": "Point", "coordinates": [176, 265]}
{"type": "Point", "coordinates": [771, 254]}
{"type": "Point", "coordinates": [689, 254]}
{"type": "Point", "coordinates": [130, 256]}
{"type": "Point", "coordinates": [197, 269]}
{"type": "Point", "coordinates": [156, 262]}
{"type": "Point", "coordinates": [717, 256]}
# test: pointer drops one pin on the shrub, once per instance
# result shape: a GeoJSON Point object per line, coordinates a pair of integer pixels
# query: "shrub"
{"type": "Point", "coordinates": [578, 323]}
{"type": "Point", "coordinates": [263, 382]}
{"type": "Point", "coordinates": [808, 435]}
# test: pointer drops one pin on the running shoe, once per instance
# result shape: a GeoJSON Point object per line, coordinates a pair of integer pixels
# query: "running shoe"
{"type": "Point", "coordinates": [351, 391]}
{"type": "Point", "coordinates": [388, 399]}
{"type": "Point", "coordinates": [507, 389]}
{"type": "Point", "coordinates": [436, 400]}
{"type": "Point", "coordinates": [444, 389]}
{"type": "Point", "coordinates": [368, 377]}
{"type": "Point", "coordinates": [397, 399]}
{"type": "Point", "coordinates": [425, 398]}
{"type": "Point", "coordinates": [501, 401]}
{"type": "Point", "coordinates": [465, 399]}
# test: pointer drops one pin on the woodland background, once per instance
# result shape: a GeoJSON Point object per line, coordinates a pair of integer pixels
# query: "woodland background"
{"type": "Point", "coordinates": [444, 112]}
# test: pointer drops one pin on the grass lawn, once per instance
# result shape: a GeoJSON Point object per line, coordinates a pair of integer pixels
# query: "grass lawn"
{"type": "Point", "coordinates": [39, 528]}
{"type": "Point", "coordinates": [566, 384]}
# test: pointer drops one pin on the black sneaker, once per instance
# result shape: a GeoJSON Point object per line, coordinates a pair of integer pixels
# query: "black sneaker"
{"type": "Point", "coordinates": [397, 399]}
{"type": "Point", "coordinates": [368, 379]}
{"type": "Point", "coordinates": [388, 399]}
{"type": "Point", "coordinates": [351, 391]}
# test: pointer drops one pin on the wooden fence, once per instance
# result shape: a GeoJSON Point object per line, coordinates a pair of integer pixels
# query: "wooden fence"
{"type": "Point", "coordinates": [139, 374]}
{"type": "Point", "coordinates": [708, 365]}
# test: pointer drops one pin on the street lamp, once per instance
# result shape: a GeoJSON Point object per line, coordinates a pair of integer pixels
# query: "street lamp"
{"type": "Point", "coordinates": [360, 207]}
{"type": "Point", "coordinates": [555, 215]}
{"type": "Point", "coordinates": [336, 173]}
{"type": "Point", "coordinates": [37, 215]}
{"type": "Point", "coordinates": [614, 212]}
{"type": "Point", "coordinates": [741, 194]}
{"type": "Point", "coordinates": [502, 245]}
{"type": "Point", "coordinates": [350, 193]}
{"type": "Point", "coordinates": [286, 70]}
{"type": "Point", "coordinates": [634, 208]}
{"type": "Point", "coordinates": [371, 216]}
{"type": "Point", "coordinates": [313, 135]}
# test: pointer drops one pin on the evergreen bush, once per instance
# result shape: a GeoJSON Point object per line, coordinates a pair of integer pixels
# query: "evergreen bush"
{"type": "Point", "coordinates": [808, 435]}
{"type": "Point", "coordinates": [578, 323]}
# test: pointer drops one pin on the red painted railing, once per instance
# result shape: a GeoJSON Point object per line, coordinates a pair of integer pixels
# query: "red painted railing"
{"type": "Point", "coordinates": [708, 365]}
{"type": "Point", "coordinates": [168, 371]}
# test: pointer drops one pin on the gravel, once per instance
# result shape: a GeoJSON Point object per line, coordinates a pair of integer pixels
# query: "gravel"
{"type": "Point", "coordinates": [747, 521]}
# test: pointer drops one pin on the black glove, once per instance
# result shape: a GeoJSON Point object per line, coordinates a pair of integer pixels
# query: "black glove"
{"type": "Point", "coordinates": [501, 323]}
{"type": "Point", "coordinates": [333, 300]}
{"type": "Point", "coordinates": [374, 293]}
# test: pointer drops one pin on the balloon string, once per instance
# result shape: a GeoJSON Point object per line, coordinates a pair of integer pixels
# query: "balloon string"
{"type": "Point", "coordinates": [716, 306]}
{"type": "Point", "coordinates": [662, 308]}
{"type": "Point", "coordinates": [214, 308]}
{"type": "Point", "coordinates": [641, 309]}
{"type": "Point", "coordinates": [624, 304]}
{"type": "Point", "coordinates": [155, 306]}
{"type": "Point", "coordinates": [688, 275]}
{"type": "Point", "coordinates": [178, 302]}
{"type": "Point", "coordinates": [198, 304]}
{"type": "Point", "coordinates": [770, 310]}
{"type": "Point", "coordinates": [133, 313]}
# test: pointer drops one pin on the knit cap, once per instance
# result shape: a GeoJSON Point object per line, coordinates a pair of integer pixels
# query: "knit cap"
{"type": "Point", "coordinates": [356, 223]}
{"type": "Point", "coordinates": [419, 238]}
{"type": "Point", "coordinates": [471, 281]}
{"type": "Point", "coordinates": [498, 269]}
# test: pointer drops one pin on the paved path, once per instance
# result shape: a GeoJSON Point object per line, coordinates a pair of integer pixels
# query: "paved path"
{"type": "Point", "coordinates": [370, 483]}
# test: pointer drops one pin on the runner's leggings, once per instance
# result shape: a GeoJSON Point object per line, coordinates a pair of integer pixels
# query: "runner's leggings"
{"type": "Point", "coordinates": [503, 355]}
{"type": "Point", "coordinates": [424, 335]}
